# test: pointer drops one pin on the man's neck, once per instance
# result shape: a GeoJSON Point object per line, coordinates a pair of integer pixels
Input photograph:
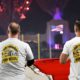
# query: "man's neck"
{"type": "Point", "coordinates": [13, 36]}
{"type": "Point", "coordinates": [77, 35]}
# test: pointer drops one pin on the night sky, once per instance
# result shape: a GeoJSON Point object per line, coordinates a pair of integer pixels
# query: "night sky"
{"type": "Point", "coordinates": [72, 12]}
{"type": "Point", "coordinates": [37, 18]}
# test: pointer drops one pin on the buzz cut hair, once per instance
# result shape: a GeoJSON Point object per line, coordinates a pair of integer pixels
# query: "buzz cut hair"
{"type": "Point", "coordinates": [14, 28]}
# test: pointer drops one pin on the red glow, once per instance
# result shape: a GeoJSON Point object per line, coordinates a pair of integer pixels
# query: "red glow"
{"type": "Point", "coordinates": [27, 2]}
{"type": "Point", "coordinates": [27, 8]}
{"type": "Point", "coordinates": [1, 9]}
{"type": "Point", "coordinates": [30, 1]}
{"type": "Point", "coordinates": [22, 16]}
{"type": "Point", "coordinates": [19, 9]}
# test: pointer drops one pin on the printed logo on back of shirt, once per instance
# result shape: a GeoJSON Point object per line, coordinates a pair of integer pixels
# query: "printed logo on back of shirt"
{"type": "Point", "coordinates": [10, 54]}
{"type": "Point", "coordinates": [76, 53]}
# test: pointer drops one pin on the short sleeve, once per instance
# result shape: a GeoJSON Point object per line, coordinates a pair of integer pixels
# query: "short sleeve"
{"type": "Point", "coordinates": [29, 55]}
{"type": "Point", "coordinates": [66, 48]}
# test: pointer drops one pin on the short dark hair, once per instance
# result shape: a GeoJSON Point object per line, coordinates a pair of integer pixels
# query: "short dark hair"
{"type": "Point", "coordinates": [14, 28]}
{"type": "Point", "coordinates": [77, 24]}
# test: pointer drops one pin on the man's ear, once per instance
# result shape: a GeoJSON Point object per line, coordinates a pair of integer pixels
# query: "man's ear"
{"type": "Point", "coordinates": [75, 28]}
{"type": "Point", "coordinates": [7, 31]}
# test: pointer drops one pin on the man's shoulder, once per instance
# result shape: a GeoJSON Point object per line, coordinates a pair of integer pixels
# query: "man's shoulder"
{"type": "Point", "coordinates": [70, 41]}
{"type": "Point", "coordinates": [3, 41]}
{"type": "Point", "coordinates": [24, 43]}
{"type": "Point", "coordinates": [73, 39]}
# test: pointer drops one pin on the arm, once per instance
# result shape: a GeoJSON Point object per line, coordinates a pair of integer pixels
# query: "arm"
{"type": "Point", "coordinates": [29, 57]}
{"type": "Point", "coordinates": [63, 58]}
{"type": "Point", "coordinates": [30, 62]}
{"type": "Point", "coordinates": [65, 54]}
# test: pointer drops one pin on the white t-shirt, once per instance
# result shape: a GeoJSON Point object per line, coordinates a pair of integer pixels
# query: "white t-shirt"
{"type": "Point", "coordinates": [72, 48]}
{"type": "Point", "coordinates": [13, 54]}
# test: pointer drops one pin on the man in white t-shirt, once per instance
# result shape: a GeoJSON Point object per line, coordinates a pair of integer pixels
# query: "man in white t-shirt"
{"type": "Point", "coordinates": [14, 54]}
{"type": "Point", "coordinates": [71, 51]}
